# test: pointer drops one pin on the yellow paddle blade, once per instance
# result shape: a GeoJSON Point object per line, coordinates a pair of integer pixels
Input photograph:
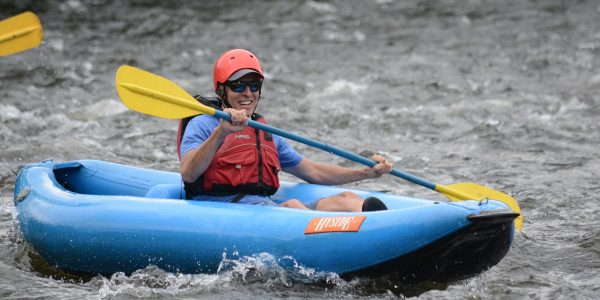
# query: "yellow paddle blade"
{"type": "Point", "coordinates": [473, 191]}
{"type": "Point", "coordinates": [19, 33]}
{"type": "Point", "coordinates": [157, 96]}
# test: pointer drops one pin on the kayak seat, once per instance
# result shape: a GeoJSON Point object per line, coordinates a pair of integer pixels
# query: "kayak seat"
{"type": "Point", "coordinates": [166, 191]}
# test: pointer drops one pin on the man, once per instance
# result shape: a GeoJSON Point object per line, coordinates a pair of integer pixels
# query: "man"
{"type": "Point", "coordinates": [232, 162]}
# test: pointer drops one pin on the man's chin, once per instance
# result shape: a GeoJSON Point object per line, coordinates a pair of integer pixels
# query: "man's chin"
{"type": "Point", "coordinates": [249, 111]}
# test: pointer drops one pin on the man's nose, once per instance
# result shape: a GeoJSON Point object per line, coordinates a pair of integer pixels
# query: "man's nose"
{"type": "Point", "coordinates": [247, 90]}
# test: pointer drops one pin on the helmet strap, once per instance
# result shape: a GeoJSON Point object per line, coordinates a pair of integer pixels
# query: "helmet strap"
{"type": "Point", "coordinates": [223, 95]}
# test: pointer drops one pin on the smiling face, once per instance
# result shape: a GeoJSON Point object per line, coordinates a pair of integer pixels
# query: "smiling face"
{"type": "Point", "coordinates": [246, 99]}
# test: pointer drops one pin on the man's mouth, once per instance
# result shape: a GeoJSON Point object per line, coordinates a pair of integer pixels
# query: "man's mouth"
{"type": "Point", "coordinates": [246, 102]}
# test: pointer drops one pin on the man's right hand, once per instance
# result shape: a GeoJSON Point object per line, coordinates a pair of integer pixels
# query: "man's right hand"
{"type": "Point", "coordinates": [239, 121]}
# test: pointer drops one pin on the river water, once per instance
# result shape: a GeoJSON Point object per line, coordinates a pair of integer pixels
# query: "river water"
{"type": "Point", "coordinates": [501, 93]}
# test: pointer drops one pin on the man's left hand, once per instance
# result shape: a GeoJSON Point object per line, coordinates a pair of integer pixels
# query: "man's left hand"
{"type": "Point", "coordinates": [382, 167]}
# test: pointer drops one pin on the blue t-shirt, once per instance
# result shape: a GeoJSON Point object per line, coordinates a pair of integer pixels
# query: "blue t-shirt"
{"type": "Point", "coordinates": [200, 128]}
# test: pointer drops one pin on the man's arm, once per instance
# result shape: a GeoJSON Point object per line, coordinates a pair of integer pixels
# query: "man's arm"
{"type": "Point", "coordinates": [330, 174]}
{"type": "Point", "coordinates": [196, 161]}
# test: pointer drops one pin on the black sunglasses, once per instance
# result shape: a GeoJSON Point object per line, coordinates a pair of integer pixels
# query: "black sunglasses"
{"type": "Point", "coordinates": [240, 86]}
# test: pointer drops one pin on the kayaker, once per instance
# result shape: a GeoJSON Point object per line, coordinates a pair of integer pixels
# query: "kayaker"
{"type": "Point", "coordinates": [232, 162]}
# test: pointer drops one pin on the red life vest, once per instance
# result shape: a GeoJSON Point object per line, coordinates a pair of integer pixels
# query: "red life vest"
{"type": "Point", "coordinates": [247, 162]}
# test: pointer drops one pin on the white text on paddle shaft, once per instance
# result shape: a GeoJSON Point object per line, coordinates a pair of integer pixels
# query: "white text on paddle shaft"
{"type": "Point", "coordinates": [342, 223]}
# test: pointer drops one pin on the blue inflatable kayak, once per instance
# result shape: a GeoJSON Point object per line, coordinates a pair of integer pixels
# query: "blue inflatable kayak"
{"type": "Point", "coordinates": [99, 217]}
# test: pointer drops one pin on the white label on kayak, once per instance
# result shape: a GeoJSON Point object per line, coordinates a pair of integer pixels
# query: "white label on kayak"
{"type": "Point", "coordinates": [334, 224]}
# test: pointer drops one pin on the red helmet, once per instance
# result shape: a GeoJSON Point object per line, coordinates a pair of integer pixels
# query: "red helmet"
{"type": "Point", "coordinates": [233, 61]}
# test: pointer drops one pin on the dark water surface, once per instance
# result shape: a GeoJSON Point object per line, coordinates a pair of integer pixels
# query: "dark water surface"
{"type": "Point", "coordinates": [502, 93]}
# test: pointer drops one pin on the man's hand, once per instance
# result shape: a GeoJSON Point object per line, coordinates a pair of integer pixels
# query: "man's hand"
{"type": "Point", "coordinates": [239, 121]}
{"type": "Point", "coordinates": [382, 167]}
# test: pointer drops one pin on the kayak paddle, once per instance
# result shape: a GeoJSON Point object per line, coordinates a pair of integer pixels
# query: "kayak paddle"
{"type": "Point", "coordinates": [20, 33]}
{"type": "Point", "coordinates": [157, 96]}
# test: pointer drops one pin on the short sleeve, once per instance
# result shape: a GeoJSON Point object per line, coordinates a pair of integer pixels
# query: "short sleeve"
{"type": "Point", "coordinates": [288, 157]}
{"type": "Point", "coordinates": [197, 131]}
